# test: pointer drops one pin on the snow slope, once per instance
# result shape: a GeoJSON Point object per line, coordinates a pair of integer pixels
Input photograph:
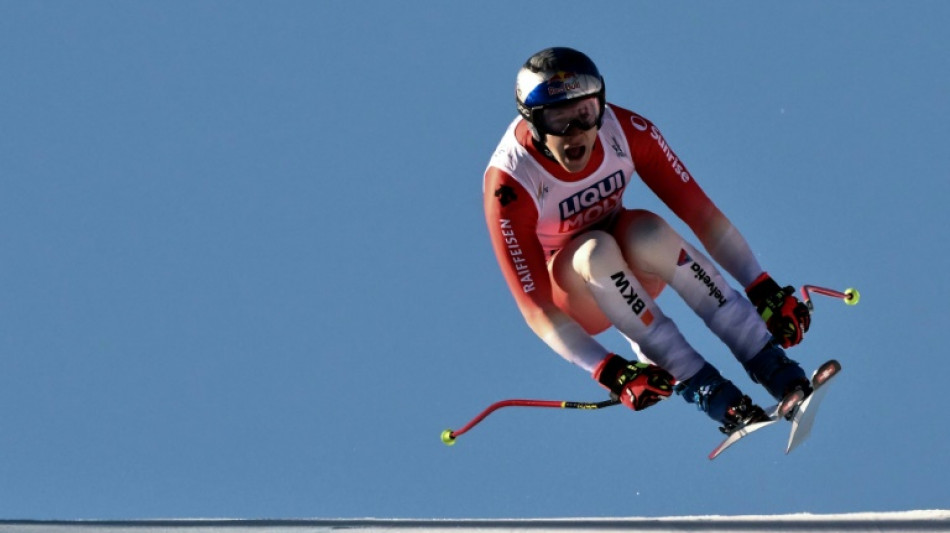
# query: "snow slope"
{"type": "Point", "coordinates": [922, 520]}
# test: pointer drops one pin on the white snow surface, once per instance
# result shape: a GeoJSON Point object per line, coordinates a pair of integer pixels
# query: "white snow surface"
{"type": "Point", "coordinates": [917, 520]}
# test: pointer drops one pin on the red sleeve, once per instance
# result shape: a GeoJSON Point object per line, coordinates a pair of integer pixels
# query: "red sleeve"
{"type": "Point", "coordinates": [663, 172]}
{"type": "Point", "coordinates": [512, 218]}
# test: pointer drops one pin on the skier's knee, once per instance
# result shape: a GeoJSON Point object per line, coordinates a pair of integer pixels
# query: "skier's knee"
{"type": "Point", "coordinates": [595, 250]}
{"type": "Point", "coordinates": [643, 228]}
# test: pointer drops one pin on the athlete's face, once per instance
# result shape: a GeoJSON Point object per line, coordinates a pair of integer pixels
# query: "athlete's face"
{"type": "Point", "coordinates": [573, 149]}
{"type": "Point", "coordinates": [570, 131]}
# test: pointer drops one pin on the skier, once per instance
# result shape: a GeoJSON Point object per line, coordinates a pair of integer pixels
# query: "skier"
{"type": "Point", "coordinates": [578, 262]}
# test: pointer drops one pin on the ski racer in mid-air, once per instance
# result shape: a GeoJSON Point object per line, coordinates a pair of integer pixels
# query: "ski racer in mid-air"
{"type": "Point", "coordinates": [578, 262]}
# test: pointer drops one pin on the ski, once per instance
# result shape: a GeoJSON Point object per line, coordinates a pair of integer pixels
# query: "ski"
{"type": "Point", "coordinates": [796, 408]}
{"type": "Point", "coordinates": [803, 416]}
{"type": "Point", "coordinates": [738, 434]}
{"type": "Point", "coordinates": [777, 413]}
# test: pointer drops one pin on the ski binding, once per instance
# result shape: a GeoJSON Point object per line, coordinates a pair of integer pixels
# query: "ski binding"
{"type": "Point", "coordinates": [795, 407]}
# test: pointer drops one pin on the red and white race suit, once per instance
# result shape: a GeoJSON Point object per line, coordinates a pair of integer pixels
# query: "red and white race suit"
{"type": "Point", "coordinates": [577, 261]}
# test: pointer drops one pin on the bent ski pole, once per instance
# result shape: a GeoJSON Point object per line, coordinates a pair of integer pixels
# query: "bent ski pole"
{"type": "Point", "coordinates": [850, 296]}
{"type": "Point", "coordinates": [449, 436]}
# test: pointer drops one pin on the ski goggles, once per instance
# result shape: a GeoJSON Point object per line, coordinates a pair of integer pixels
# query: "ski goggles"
{"type": "Point", "coordinates": [556, 120]}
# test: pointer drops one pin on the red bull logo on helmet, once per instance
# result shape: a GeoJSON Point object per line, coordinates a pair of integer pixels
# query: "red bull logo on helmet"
{"type": "Point", "coordinates": [562, 82]}
{"type": "Point", "coordinates": [561, 86]}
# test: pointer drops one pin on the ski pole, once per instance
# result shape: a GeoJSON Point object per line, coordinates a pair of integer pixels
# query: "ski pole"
{"type": "Point", "coordinates": [449, 436]}
{"type": "Point", "coordinates": [850, 296]}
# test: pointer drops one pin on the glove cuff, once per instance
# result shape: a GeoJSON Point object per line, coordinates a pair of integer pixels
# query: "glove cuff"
{"type": "Point", "coordinates": [608, 371]}
{"type": "Point", "coordinates": [763, 288]}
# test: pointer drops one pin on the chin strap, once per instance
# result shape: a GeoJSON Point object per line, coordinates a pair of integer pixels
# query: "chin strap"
{"type": "Point", "coordinates": [538, 140]}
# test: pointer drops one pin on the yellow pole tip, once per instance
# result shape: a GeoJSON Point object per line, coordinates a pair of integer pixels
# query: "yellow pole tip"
{"type": "Point", "coordinates": [852, 296]}
{"type": "Point", "coordinates": [447, 437]}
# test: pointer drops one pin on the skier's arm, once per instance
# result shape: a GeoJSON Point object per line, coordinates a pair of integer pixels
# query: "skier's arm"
{"type": "Point", "coordinates": [512, 217]}
{"type": "Point", "coordinates": [787, 318]}
{"type": "Point", "coordinates": [667, 176]}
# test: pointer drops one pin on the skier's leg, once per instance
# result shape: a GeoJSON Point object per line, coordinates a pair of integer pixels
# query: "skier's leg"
{"type": "Point", "coordinates": [591, 271]}
{"type": "Point", "coordinates": [594, 260]}
{"type": "Point", "coordinates": [654, 248]}
{"type": "Point", "coordinates": [650, 245]}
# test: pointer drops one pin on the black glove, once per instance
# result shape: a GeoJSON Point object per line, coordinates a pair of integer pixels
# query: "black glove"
{"type": "Point", "coordinates": [637, 385]}
{"type": "Point", "coordinates": [786, 317]}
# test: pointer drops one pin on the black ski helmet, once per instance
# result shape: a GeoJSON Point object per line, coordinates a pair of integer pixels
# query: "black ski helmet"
{"type": "Point", "coordinates": [554, 76]}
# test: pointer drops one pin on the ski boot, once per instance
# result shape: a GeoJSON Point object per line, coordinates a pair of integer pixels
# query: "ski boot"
{"type": "Point", "coordinates": [720, 399]}
{"type": "Point", "coordinates": [741, 415]}
{"type": "Point", "coordinates": [780, 375]}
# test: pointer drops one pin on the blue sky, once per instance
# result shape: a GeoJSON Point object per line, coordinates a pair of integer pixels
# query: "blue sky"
{"type": "Point", "coordinates": [245, 273]}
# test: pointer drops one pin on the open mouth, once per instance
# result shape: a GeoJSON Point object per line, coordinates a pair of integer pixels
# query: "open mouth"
{"type": "Point", "coordinates": [575, 153]}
